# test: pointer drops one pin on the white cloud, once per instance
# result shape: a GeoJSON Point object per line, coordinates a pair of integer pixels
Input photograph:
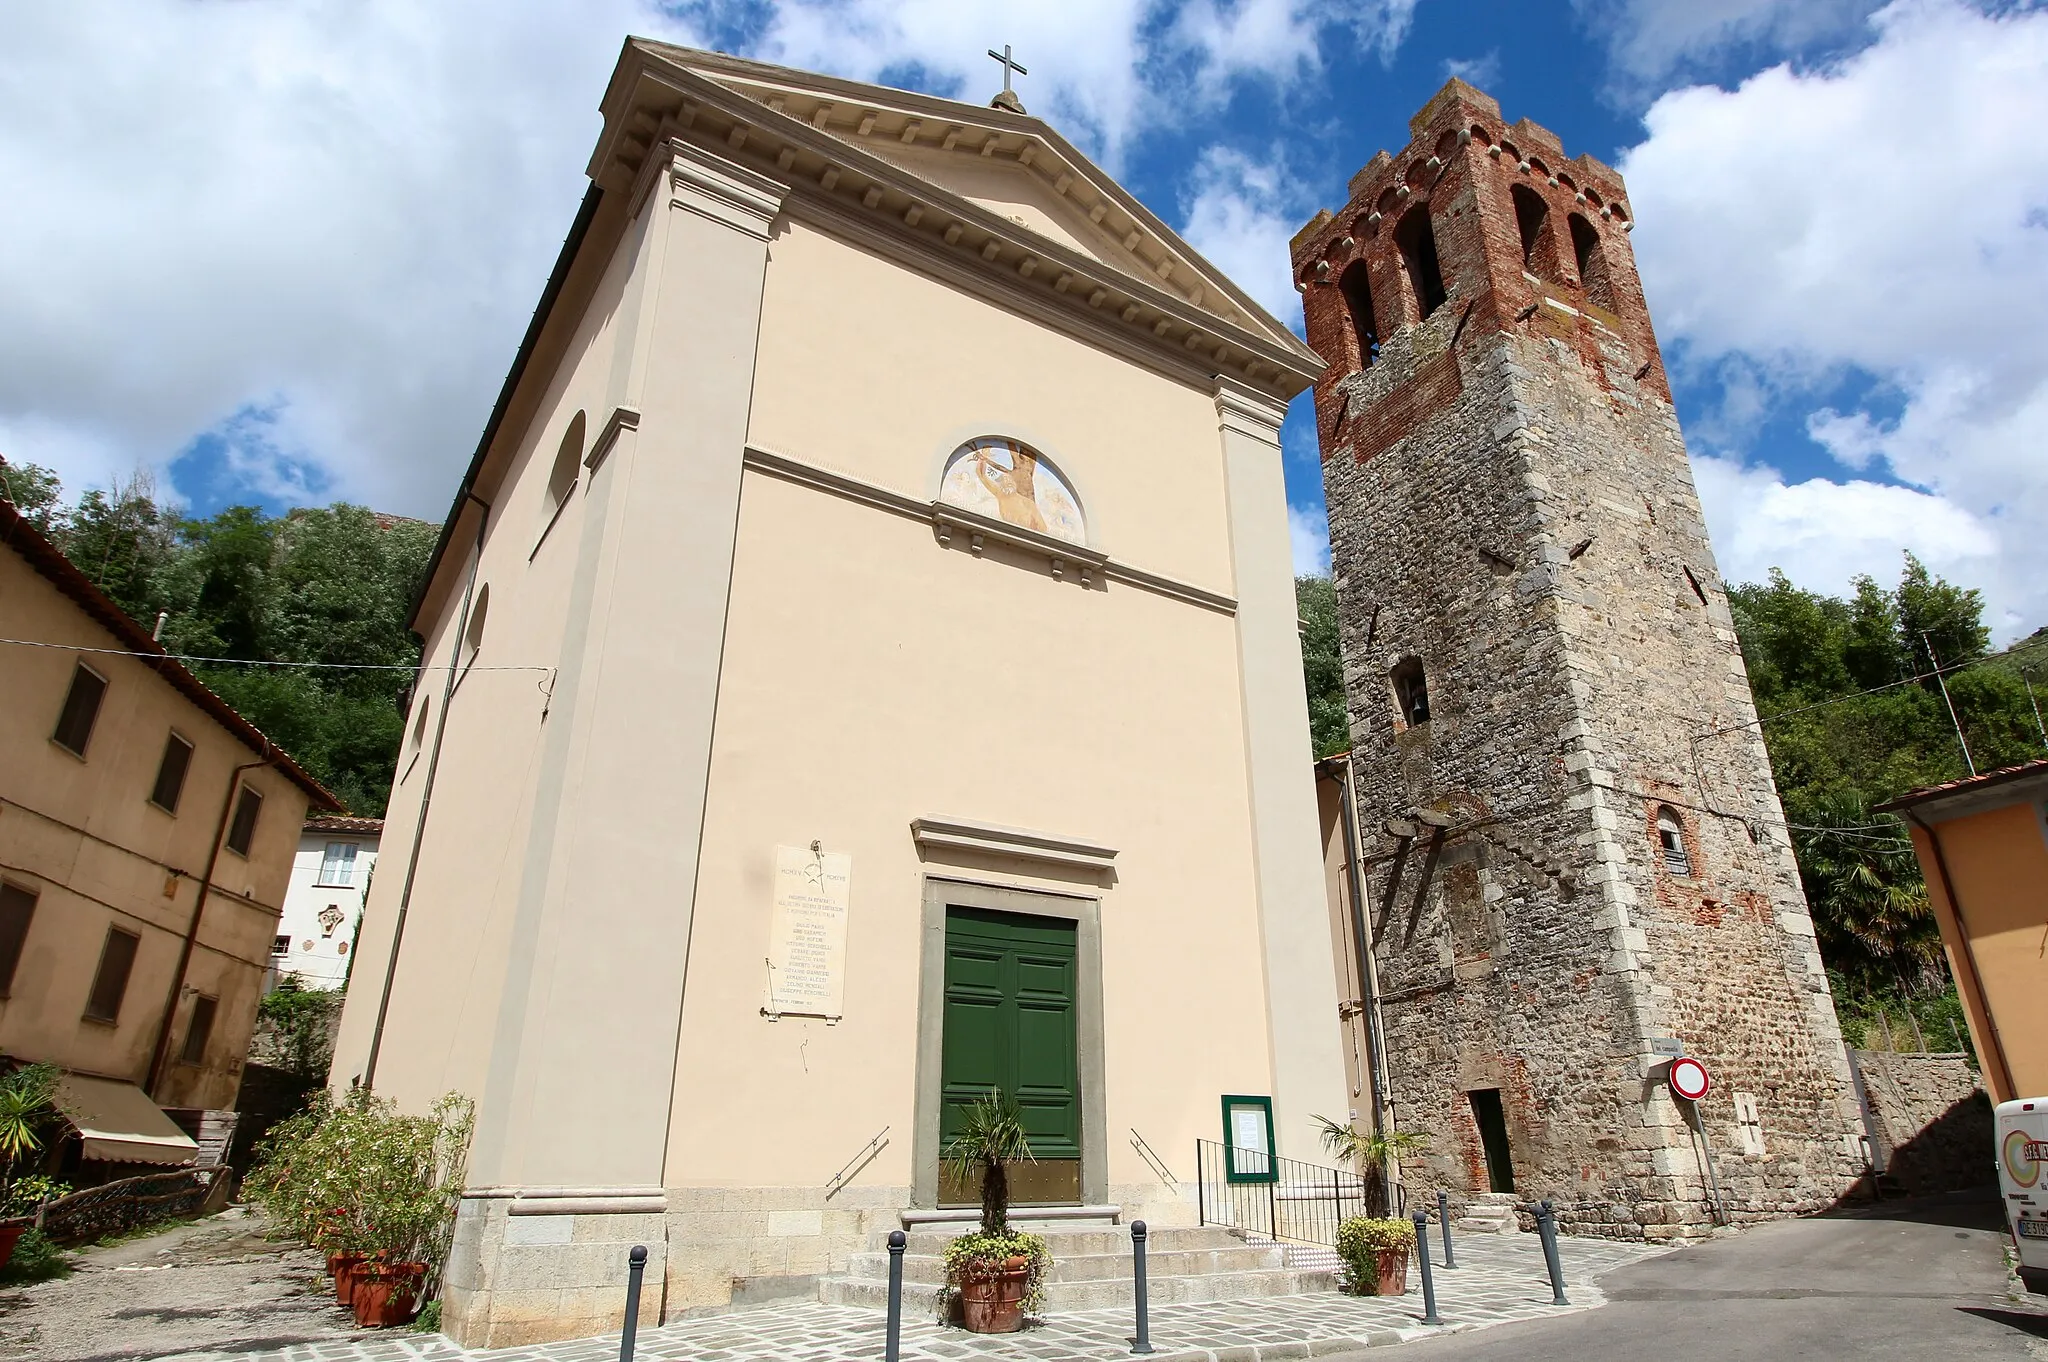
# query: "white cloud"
{"type": "Point", "coordinates": [1822, 534]}
{"type": "Point", "coordinates": [1483, 72]}
{"type": "Point", "coordinates": [1650, 39]}
{"type": "Point", "coordinates": [339, 213]}
{"type": "Point", "coordinates": [1879, 216]}
{"type": "Point", "coordinates": [1240, 214]}
{"type": "Point", "coordinates": [1308, 529]}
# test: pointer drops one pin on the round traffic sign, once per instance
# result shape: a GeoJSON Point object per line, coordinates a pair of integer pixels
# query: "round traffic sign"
{"type": "Point", "coordinates": [1689, 1079]}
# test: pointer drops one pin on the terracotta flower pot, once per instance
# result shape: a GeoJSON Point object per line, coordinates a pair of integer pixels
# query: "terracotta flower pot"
{"type": "Point", "coordinates": [10, 1235]}
{"type": "Point", "coordinates": [992, 1301]}
{"type": "Point", "coordinates": [1393, 1279]}
{"type": "Point", "coordinates": [342, 1267]}
{"type": "Point", "coordinates": [387, 1294]}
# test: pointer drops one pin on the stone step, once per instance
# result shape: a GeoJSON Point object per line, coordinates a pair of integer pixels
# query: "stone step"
{"type": "Point", "coordinates": [1068, 1242]}
{"type": "Point", "coordinates": [930, 1268]}
{"type": "Point", "coordinates": [921, 1299]}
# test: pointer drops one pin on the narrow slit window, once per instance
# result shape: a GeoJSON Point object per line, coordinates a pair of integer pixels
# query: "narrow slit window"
{"type": "Point", "coordinates": [1417, 240]}
{"type": "Point", "coordinates": [110, 981]}
{"type": "Point", "coordinates": [473, 639]}
{"type": "Point", "coordinates": [81, 710]}
{"type": "Point", "coordinates": [17, 909]}
{"type": "Point", "coordinates": [568, 466]}
{"type": "Point", "coordinates": [242, 830]}
{"type": "Point", "coordinates": [170, 774]}
{"type": "Point", "coordinates": [199, 1030]}
{"type": "Point", "coordinates": [1357, 290]}
{"type": "Point", "coordinates": [1411, 692]}
{"type": "Point", "coordinates": [1671, 842]}
{"type": "Point", "coordinates": [1592, 262]}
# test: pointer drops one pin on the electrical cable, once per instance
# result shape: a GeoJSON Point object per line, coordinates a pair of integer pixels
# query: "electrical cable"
{"type": "Point", "coordinates": [260, 662]}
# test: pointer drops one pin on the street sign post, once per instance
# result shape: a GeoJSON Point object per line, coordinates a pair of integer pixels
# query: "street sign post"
{"type": "Point", "coordinates": [1688, 1078]}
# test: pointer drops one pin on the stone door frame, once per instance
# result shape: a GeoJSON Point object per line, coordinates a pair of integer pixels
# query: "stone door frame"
{"type": "Point", "coordinates": [1085, 912]}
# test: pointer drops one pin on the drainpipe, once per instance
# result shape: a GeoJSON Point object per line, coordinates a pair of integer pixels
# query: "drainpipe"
{"type": "Point", "coordinates": [1955, 906]}
{"type": "Point", "coordinates": [1362, 943]}
{"type": "Point", "coordinates": [161, 1049]}
{"type": "Point", "coordinates": [419, 827]}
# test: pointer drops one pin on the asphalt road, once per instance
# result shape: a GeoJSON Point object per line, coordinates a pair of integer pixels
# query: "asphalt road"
{"type": "Point", "coordinates": [1919, 1282]}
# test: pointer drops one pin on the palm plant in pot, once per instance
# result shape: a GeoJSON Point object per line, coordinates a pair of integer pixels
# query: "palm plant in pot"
{"type": "Point", "coordinates": [998, 1272]}
{"type": "Point", "coordinates": [27, 1105]}
{"type": "Point", "coordinates": [1374, 1246]}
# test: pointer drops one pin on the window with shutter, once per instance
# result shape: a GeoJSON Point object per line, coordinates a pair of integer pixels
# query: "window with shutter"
{"type": "Point", "coordinates": [110, 984]}
{"type": "Point", "coordinates": [81, 710]}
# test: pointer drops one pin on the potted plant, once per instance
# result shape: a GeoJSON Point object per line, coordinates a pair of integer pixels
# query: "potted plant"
{"type": "Point", "coordinates": [386, 1293]}
{"type": "Point", "coordinates": [1375, 1253]}
{"type": "Point", "coordinates": [998, 1272]}
{"type": "Point", "coordinates": [372, 1187]}
{"type": "Point", "coordinates": [27, 1103]}
{"type": "Point", "coordinates": [1374, 1246]}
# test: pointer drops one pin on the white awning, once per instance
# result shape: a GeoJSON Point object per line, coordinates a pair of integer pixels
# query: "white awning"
{"type": "Point", "coordinates": [119, 1123]}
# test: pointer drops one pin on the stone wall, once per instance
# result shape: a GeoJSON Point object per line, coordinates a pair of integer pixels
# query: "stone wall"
{"type": "Point", "coordinates": [1929, 1121]}
{"type": "Point", "coordinates": [1510, 503]}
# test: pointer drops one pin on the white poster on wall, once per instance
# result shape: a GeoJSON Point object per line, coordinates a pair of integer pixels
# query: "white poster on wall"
{"type": "Point", "coordinates": [807, 936]}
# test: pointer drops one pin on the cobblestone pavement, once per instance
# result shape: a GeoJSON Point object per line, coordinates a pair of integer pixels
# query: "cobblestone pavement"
{"type": "Point", "coordinates": [1498, 1280]}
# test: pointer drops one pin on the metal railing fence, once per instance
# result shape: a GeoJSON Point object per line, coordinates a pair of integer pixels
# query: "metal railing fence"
{"type": "Point", "coordinates": [1294, 1202]}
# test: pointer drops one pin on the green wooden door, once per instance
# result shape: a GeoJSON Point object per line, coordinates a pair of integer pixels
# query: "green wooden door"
{"type": "Point", "coordinates": [1010, 1024]}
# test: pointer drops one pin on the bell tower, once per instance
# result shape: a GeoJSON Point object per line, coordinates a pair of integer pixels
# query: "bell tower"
{"type": "Point", "coordinates": [1573, 846]}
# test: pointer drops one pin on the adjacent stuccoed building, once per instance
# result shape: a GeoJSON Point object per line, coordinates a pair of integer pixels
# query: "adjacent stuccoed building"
{"type": "Point", "coordinates": [146, 834]}
{"type": "Point", "coordinates": [1574, 849]}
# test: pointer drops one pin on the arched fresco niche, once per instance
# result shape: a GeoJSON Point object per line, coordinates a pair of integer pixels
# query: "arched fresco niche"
{"type": "Point", "coordinates": [1008, 480]}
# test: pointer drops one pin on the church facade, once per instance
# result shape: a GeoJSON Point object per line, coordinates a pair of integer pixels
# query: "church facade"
{"type": "Point", "coordinates": [1572, 854]}
{"type": "Point", "coordinates": [861, 671]}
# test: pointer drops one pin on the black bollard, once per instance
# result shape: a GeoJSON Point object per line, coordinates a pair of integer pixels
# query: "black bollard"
{"type": "Point", "coordinates": [893, 1338]}
{"type": "Point", "coordinates": [1143, 1342]}
{"type": "Point", "coordinates": [636, 1268]}
{"type": "Point", "coordinates": [1429, 1315]}
{"type": "Point", "coordinates": [1443, 1218]}
{"type": "Point", "coordinates": [1546, 1230]}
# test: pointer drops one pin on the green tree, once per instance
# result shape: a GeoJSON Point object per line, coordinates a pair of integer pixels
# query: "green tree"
{"type": "Point", "coordinates": [1322, 665]}
{"type": "Point", "coordinates": [330, 586]}
{"type": "Point", "coordinates": [1844, 734]}
{"type": "Point", "coordinates": [35, 492]}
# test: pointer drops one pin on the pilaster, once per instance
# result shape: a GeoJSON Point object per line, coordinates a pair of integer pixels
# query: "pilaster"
{"type": "Point", "coordinates": [1301, 992]}
{"type": "Point", "coordinates": [575, 1110]}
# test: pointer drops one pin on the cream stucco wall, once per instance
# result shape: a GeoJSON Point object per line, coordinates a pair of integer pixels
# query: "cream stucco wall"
{"type": "Point", "coordinates": [82, 834]}
{"type": "Point", "coordinates": [1987, 879]}
{"type": "Point", "coordinates": [695, 664]}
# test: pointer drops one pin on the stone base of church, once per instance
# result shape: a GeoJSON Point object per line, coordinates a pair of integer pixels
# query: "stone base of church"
{"type": "Point", "coordinates": [517, 1279]}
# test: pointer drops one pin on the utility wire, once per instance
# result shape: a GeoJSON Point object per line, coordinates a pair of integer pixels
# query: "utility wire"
{"type": "Point", "coordinates": [1762, 719]}
{"type": "Point", "coordinates": [261, 662]}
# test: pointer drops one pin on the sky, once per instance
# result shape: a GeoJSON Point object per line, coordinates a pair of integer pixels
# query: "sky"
{"type": "Point", "coordinates": [282, 253]}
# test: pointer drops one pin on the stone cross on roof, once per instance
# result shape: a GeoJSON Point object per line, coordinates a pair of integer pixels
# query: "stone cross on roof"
{"type": "Point", "coordinates": [1008, 98]}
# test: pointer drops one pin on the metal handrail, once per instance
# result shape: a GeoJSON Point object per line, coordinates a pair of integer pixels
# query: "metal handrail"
{"type": "Point", "coordinates": [1146, 1153]}
{"type": "Point", "coordinates": [857, 1162]}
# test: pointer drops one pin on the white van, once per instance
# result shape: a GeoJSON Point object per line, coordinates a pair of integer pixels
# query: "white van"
{"type": "Point", "coordinates": [2022, 1129]}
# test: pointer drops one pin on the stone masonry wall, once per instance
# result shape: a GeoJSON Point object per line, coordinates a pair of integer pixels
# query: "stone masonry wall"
{"type": "Point", "coordinates": [1930, 1121]}
{"type": "Point", "coordinates": [1510, 502]}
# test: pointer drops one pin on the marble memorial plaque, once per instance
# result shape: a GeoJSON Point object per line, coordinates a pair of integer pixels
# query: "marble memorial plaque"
{"type": "Point", "coordinates": [807, 938]}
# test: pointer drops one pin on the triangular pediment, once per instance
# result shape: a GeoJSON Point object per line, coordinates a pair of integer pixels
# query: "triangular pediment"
{"type": "Point", "coordinates": [1013, 165]}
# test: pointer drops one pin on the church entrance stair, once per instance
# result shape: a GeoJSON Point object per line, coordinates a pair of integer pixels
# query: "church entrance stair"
{"type": "Point", "coordinates": [1091, 1268]}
